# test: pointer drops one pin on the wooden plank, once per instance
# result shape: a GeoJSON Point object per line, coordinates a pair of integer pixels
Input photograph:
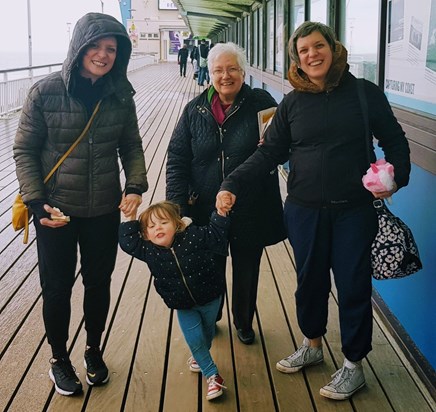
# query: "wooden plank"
{"type": "Point", "coordinates": [316, 376]}
{"type": "Point", "coordinates": [222, 355]}
{"type": "Point", "coordinates": [36, 388]}
{"type": "Point", "coordinates": [291, 390]}
{"type": "Point", "coordinates": [252, 380]}
{"type": "Point", "coordinates": [148, 367]}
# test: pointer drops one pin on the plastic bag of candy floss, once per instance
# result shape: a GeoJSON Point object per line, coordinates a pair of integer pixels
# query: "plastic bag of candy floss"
{"type": "Point", "coordinates": [379, 177]}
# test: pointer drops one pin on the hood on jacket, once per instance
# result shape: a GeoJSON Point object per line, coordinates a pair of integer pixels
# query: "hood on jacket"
{"type": "Point", "coordinates": [300, 81]}
{"type": "Point", "coordinates": [89, 28]}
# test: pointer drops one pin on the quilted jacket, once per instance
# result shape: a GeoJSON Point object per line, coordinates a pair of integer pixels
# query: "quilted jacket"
{"type": "Point", "coordinates": [201, 153]}
{"type": "Point", "coordinates": [88, 182]}
{"type": "Point", "coordinates": [184, 274]}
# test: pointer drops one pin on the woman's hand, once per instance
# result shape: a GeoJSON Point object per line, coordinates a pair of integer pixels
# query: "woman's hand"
{"type": "Point", "coordinates": [45, 221]}
{"type": "Point", "coordinates": [129, 205]}
{"type": "Point", "coordinates": [224, 202]}
{"type": "Point", "coordinates": [386, 194]}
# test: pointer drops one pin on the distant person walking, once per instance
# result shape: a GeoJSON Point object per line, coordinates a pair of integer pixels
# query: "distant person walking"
{"type": "Point", "coordinates": [86, 187]}
{"type": "Point", "coordinates": [182, 58]}
{"type": "Point", "coordinates": [203, 74]}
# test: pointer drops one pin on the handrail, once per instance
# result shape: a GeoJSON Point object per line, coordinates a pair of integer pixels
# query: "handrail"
{"type": "Point", "coordinates": [29, 68]}
{"type": "Point", "coordinates": [13, 92]}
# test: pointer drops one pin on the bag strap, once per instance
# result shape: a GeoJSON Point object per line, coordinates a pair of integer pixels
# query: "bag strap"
{"type": "Point", "coordinates": [378, 204]}
{"type": "Point", "coordinates": [73, 146]}
{"type": "Point", "coordinates": [364, 108]}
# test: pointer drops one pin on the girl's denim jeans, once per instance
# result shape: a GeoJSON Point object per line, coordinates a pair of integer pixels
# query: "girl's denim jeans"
{"type": "Point", "coordinates": [198, 327]}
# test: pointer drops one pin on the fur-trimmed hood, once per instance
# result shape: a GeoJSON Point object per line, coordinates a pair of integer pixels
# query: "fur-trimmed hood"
{"type": "Point", "coordinates": [301, 82]}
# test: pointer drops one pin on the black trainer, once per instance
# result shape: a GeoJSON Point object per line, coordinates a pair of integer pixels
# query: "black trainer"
{"type": "Point", "coordinates": [246, 336]}
{"type": "Point", "coordinates": [97, 372]}
{"type": "Point", "coordinates": [63, 375]}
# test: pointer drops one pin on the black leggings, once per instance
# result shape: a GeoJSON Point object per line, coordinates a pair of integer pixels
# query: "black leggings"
{"type": "Point", "coordinates": [97, 239]}
{"type": "Point", "coordinates": [245, 267]}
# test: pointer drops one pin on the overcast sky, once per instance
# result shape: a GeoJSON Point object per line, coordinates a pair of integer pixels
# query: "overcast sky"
{"type": "Point", "coordinates": [49, 20]}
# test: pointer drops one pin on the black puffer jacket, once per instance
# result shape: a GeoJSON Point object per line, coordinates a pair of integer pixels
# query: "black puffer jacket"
{"type": "Point", "coordinates": [201, 154]}
{"type": "Point", "coordinates": [323, 136]}
{"type": "Point", "coordinates": [184, 274]}
{"type": "Point", "coordinates": [87, 183]}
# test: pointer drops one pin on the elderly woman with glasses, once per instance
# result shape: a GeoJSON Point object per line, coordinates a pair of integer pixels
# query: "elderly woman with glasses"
{"type": "Point", "coordinates": [217, 132]}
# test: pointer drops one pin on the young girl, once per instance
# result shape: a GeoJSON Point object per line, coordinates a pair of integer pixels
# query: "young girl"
{"type": "Point", "coordinates": [180, 258]}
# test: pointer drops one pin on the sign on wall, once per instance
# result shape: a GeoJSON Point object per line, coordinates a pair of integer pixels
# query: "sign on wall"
{"type": "Point", "coordinates": [411, 54]}
{"type": "Point", "coordinates": [167, 5]}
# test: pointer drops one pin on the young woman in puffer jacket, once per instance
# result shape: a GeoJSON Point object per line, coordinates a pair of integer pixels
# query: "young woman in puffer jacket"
{"type": "Point", "coordinates": [86, 187]}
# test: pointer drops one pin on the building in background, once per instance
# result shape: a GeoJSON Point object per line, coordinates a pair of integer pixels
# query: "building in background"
{"type": "Point", "coordinates": [155, 27]}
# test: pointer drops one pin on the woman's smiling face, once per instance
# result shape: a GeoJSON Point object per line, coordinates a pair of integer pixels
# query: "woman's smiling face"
{"type": "Point", "coordinates": [227, 77]}
{"type": "Point", "coordinates": [99, 58]}
{"type": "Point", "coordinates": [315, 57]}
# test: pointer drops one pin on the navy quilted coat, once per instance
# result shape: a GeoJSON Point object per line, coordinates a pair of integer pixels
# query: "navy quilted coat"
{"type": "Point", "coordinates": [184, 274]}
{"type": "Point", "coordinates": [202, 153]}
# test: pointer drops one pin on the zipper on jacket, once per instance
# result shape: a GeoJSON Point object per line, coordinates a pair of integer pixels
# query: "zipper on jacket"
{"type": "Point", "coordinates": [90, 171]}
{"type": "Point", "coordinates": [220, 129]}
{"type": "Point", "coordinates": [323, 197]}
{"type": "Point", "coordinates": [222, 152]}
{"type": "Point", "coordinates": [183, 276]}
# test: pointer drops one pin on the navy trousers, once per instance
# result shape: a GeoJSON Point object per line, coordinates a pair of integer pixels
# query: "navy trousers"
{"type": "Point", "coordinates": [97, 240]}
{"type": "Point", "coordinates": [338, 240]}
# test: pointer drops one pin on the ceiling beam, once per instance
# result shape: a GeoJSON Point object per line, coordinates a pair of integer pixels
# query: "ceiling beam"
{"type": "Point", "coordinates": [230, 18]}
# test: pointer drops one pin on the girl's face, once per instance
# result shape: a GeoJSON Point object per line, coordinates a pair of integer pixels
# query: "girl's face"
{"type": "Point", "coordinates": [315, 57]}
{"type": "Point", "coordinates": [99, 58]}
{"type": "Point", "coordinates": [161, 231]}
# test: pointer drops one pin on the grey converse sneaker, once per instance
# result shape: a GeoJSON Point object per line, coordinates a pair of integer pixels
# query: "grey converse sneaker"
{"type": "Point", "coordinates": [346, 381]}
{"type": "Point", "coordinates": [302, 357]}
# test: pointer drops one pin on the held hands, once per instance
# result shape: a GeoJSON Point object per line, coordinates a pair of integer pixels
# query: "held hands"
{"type": "Point", "coordinates": [129, 205]}
{"type": "Point", "coordinates": [224, 202]}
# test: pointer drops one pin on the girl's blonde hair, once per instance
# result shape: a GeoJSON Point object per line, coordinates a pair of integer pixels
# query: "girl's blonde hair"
{"type": "Point", "coordinates": [163, 210]}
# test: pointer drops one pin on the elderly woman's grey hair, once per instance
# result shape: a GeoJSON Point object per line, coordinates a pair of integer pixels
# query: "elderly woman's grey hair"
{"type": "Point", "coordinates": [227, 48]}
{"type": "Point", "coordinates": [308, 27]}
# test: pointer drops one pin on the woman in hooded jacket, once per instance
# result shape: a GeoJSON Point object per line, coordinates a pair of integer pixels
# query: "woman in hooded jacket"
{"type": "Point", "coordinates": [79, 206]}
{"type": "Point", "coordinates": [331, 222]}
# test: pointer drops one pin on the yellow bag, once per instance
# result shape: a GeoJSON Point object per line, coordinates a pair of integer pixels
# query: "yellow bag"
{"type": "Point", "coordinates": [20, 212]}
{"type": "Point", "coordinates": [20, 217]}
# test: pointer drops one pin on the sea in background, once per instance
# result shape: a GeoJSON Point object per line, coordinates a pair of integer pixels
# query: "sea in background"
{"type": "Point", "coordinates": [15, 59]}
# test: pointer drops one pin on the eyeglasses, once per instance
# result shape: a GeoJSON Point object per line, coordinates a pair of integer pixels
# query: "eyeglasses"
{"type": "Point", "coordinates": [230, 71]}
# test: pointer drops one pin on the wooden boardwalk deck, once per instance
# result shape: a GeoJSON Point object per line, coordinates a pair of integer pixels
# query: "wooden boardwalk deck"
{"type": "Point", "coordinates": [143, 346]}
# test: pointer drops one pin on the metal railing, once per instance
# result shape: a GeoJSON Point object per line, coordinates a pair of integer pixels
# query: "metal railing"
{"type": "Point", "coordinates": [15, 83]}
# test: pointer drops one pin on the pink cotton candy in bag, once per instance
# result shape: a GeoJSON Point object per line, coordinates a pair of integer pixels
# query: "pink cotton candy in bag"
{"type": "Point", "coordinates": [379, 177]}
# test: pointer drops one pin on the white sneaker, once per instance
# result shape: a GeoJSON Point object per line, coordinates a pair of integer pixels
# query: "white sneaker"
{"type": "Point", "coordinates": [302, 357]}
{"type": "Point", "coordinates": [193, 365]}
{"type": "Point", "coordinates": [346, 381]}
